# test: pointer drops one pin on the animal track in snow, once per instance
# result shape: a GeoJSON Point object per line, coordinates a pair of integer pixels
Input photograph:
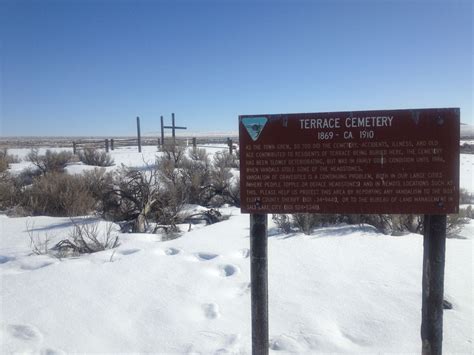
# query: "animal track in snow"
{"type": "Point", "coordinates": [129, 251]}
{"type": "Point", "coordinates": [24, 332]}
{"type": "Point", "coordinates": [285, 343]}
{"type": "Point", "coordinates": [211, 310]}
{"type": "Point", "coordinates": [5, 259]}
{"type": "Point", "coordinates": [35, 264]}
{"type": "Point", "coordinates": [172, 251]}
{"type": "Point", "coordinates": [229, 270]}
{"type": "Point", "coordinates": [50, 351]}
{"type": "Point", "coordinates": [202, 256]}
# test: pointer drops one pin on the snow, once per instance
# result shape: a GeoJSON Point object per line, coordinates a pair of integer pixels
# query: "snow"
{"type": "Point", "coordinates": [466, 178]}
{"type": "Point", "coordinates": [343, 289]}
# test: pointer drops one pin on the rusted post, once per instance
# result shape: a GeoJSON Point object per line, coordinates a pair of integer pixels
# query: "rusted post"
{"type": "Point", "coordinates": [259, 283]}
{"type": "Point", "coordinates": [434, 250]}
{"type": "Point", "coordinates": [106, 145]}
{"type": "Point", "coordinates": [139, 135]}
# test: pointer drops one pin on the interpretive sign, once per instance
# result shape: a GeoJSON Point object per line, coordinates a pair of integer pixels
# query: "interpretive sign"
{"type": "Point", "coordinates": [396, 161]}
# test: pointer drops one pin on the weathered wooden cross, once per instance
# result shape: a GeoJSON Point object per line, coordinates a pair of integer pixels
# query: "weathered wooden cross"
{"type": "Point", "coordinates": [173, 128]}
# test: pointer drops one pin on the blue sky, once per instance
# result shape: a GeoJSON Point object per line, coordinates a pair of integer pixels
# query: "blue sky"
{"type": "Point", "coordinates": [90, 67]}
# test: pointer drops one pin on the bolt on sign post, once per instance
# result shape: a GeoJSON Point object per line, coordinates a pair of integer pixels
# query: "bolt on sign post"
{"type": "Point", "coordinates": [360, 162]}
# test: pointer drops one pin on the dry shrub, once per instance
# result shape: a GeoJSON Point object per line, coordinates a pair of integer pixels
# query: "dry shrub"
{"type": "Point", "coordinates": [196, 174]}
{"type": "Point", "coordinates": [134, 199]}
{"type": "Point", "coordinates": [233, 195]}
{"type": "Point", "coordinates": [174, 152]}
{"type": "Point", "coordinates": [57, 194]}
{"type": "Point", "coordinates": [86, 238]}
{"type": "Point", "coordinates": [3, 163]}
{"type": "Point", "coordinates": [95, 157]}
{"type": "Point", "coordinates": [174, 189]}
{"type": "Point", "coordinates": [467, 213]}
{"type": "Point", "coordinates": [221, 179]}
{"type": "Point", "coordinates": [9, 194]}
{"type": "Point", "coordinates": [306, 222]}
{"type": "Point", "coordinates": [6, 159]}
{"type": "Point", "coordinates": [99, 183]}
{"type": "Point", "coordinates": [224, 158]}
{"type": "Point", "coordinates": [283, 222]}
{"type": "Point", "coordinates": [50, 162]}
{"type": "Point", "coordinates": [465, 197]}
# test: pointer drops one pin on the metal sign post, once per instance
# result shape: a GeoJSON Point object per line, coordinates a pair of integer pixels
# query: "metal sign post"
{"type": "Point", "coordinates": [259, 283]}
{"type": "Point", "coordinates": [434, 250]}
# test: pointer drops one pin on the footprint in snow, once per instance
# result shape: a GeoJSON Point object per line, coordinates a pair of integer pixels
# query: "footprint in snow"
{"type": "Point", "coordinates": [129, 251]}
{"type": "Point", "coordinates": [20, 338]}
{"type": "Point", "coordinates": [50, 351]}
{"type": "Point", "coordinates": [285, 343]}
{"type": "Point", "coordinates": [211, 310]}
{"type": "Point", "coordinates": [228, 270]}
{"type": "Point", "coordinates": [35, 264]}
{"type": "Point", "coordinates": [5, 259]}
{"type": "Point", "coordinates": [172, 251]}
{"type": "Point", "coordinates": [202, 256]}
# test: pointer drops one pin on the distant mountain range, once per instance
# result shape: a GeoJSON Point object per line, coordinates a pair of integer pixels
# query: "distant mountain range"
{"type": "Point", "coordinates": [467, 131]}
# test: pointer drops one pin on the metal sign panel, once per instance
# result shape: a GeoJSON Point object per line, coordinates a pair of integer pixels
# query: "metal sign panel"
{"type": "Point", "coordinates": [395, 161]}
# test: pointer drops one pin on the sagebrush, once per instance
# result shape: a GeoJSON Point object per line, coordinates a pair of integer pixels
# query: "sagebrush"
{"type": "Point", "coordinates": [95, 157]}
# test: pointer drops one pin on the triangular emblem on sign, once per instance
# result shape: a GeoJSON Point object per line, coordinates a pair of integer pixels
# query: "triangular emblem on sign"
{"type": "Point", "coordinates": [254, 126]}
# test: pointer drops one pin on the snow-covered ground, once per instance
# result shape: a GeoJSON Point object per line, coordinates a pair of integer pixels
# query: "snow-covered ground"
{"type": "Point", "coordinates": [343, 289]}
{"type": "Point", "coordinates": [466, 172]}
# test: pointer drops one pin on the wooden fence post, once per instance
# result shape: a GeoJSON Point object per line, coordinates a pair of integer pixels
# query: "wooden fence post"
{"type": "Point", "coordinates": [172, 130]}
{"type": "Point", "coordinates": [112, 144]}
{"type": "Point", "coordinates": [74, 150]}
{"type": "Point", "coordinates": [434, 250]}
{"type": "Point", "coordinates": [139, 136]}
{"type": "Point", "coordinates": [162, 133]}
{"type": "Point", "coordinates": [231, 146]}
{"type": "Point", "coordinates": [194, 143]}
{"type": "Point", "coordinates": [106, 145]}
